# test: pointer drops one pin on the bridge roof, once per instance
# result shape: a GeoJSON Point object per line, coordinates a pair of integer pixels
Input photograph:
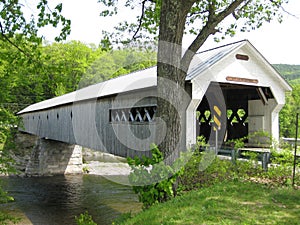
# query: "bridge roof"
{"type": "Point", "coordinates": [147, 79]}
{"type": "Point", "coordinates": [130, 82]}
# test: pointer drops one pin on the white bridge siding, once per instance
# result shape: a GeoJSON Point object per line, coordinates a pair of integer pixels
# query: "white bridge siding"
{"type": "Point", "coordinates": [106, 117]}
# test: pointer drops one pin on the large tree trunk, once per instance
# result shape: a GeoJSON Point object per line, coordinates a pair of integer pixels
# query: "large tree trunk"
{"type": "Point", "coordinates": [172, 100]}
{"type": "Point", "coordinates": [172, 68]}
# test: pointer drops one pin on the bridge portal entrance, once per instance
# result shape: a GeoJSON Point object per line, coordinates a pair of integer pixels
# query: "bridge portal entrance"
{"type": "Point", "coordinates": [247, 109]}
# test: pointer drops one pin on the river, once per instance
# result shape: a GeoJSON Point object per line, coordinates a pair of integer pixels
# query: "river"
{"type": "Point", "coordinates": [58, 199]}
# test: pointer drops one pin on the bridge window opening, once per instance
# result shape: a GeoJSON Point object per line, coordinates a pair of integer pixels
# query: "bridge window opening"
{"type": "Point", "coordinates": [57, 116]}
{"type": "Point", "coordinates": [237, 99]}
{"type": "Point", "coordinates": [135, 114]}
{"type": "Point", "coordinates": [33, 117]}
{"type": "Point", "coordinates": [71, 115]}
{"type": "Point", "coordinates": [47, 117]}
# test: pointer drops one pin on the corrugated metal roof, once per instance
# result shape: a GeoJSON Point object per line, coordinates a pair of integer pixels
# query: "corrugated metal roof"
{"type": "Point", "coordinates": [205, 59]}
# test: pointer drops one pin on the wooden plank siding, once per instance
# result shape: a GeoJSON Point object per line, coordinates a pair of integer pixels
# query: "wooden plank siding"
{"type": "Point", "coordinates": [87, 123]}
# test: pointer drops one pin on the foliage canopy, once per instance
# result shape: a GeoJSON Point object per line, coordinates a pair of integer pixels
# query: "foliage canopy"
{"type": "Point", "coordinates": [244, 15]}
{"type": "Point", "coordinates": [13, 20]}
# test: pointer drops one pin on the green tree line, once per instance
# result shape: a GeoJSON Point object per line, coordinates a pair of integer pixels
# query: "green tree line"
{"type": "Point", "coordinates": [287, 116]}
{"type": "Point", "coordinates": [290, 72]}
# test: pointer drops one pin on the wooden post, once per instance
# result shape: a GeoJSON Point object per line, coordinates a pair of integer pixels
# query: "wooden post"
{"type": "Point", "coordinates": [233, 156]}
{"type": "Point", "coordinates": [265, 160]}
{"type": "Point", "coordinates": [295, 152]}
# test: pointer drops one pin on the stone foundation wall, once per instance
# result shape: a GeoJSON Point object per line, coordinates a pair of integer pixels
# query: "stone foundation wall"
{"type": "Point", "coordinates": [41, 157]}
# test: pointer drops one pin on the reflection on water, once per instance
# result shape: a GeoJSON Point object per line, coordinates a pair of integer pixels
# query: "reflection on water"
{"type": "Point", "coordinates": [58, 199]}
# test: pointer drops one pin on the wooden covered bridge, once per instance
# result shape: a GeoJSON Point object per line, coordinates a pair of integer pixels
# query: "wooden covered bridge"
{"type": "Point", "coordinates": [118, 116]}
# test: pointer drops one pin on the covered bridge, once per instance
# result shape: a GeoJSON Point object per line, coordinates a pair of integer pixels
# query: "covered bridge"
{"type": "Point", "coordinates": [118, 116]}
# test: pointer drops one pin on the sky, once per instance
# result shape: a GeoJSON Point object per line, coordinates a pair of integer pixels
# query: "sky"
{"type": "Point", "coordinates": [279, 43]}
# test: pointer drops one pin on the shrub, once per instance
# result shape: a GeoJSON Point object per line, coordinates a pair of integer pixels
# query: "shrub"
{"type": "Point", "coordinates": [194, 178]}
{"type": "Point", "coordinates": [279, 172]}
{"type": "Point", "coordinates": [152, 179]}
{"type": "Point", "coordinates": [85, 219]}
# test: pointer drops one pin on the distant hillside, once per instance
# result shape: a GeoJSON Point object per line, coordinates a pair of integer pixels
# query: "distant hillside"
{"type": "Point", "coordinates": [290, 72]}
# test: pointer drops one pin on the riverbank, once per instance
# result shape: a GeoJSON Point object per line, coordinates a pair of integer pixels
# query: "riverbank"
{"type": "Point", "coordinates": [103, 164]}
{"type": "Point", "coordinates": [111, 167]}
{"type": "Point", "coordinates": [106, 168]}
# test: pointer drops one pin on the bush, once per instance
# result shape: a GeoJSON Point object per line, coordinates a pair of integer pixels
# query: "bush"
{"type": "Point", "coordinates": [85, 219]}
{"type": "Point", "coordinates": [8, 219]}
{"type": "Point", "coordinates": [219, 170]}
{"type": "Point", "coordinates": [152, 179]}
{"type": "Point", "coordinates": [279, 172]}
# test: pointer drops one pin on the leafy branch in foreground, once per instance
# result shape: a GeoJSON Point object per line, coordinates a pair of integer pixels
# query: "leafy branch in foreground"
{"type": "Point", "coordinates": [15, 23]}
{"type": "Point", "coordinates": [152, 179]}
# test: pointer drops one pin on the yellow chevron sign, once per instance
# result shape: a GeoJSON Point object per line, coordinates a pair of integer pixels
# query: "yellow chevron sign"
{"type": "Point", "coordinates": [217, 117]}
{"type": "Point", "coordinates": [217, 110]}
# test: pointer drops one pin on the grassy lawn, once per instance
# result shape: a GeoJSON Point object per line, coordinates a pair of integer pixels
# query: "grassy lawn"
{"type": "Point", "coordinates": [227, 203]}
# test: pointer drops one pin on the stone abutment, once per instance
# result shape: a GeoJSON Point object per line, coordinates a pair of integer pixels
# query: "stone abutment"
{"type": "Point", "coordinates": [37, 156]}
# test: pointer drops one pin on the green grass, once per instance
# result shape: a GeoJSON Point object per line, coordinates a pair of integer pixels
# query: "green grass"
{"type": "Point", "coordinates": [227, 203]}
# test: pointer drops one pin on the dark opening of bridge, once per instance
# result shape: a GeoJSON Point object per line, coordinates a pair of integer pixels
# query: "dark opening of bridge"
{"type": "Point", "coordinates": [237, 99]}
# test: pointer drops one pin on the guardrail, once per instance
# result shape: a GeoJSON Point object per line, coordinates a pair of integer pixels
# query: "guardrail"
{"type": "Point", "coordinates": [291, 141]}
{"type": "Point", "coordinates": [264, 154]}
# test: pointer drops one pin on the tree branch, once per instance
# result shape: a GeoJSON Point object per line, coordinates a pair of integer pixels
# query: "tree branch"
{"type": "Point", "coordinates": [235, 14]}
{"type": "Point", "coordinates": [140, 20]}
{"type": "Point", "coordinates": [9, 41]}
{"type": "Point", "coordinates": [208, 29]}
{"type": "Point", "coordinates": [196, 13]}
{"type": "Point", "coordinates": [212, 11]}
{"type": "Point", "coordinates": [284, 10]}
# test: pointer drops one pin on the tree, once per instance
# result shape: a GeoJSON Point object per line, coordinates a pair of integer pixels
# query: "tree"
{"type": "Point", "coordinates": [287, 116]}
{"type": "Point", "coordinates": [21, 33]}
{"type": "Point", "coordinates": [168, 21]}
{"type": "Point", "coordinates": [110, 64]}
{"type": "Point", "coordinates": [13, 22]}
{"type": "Point", "coordinates": [64, 65]}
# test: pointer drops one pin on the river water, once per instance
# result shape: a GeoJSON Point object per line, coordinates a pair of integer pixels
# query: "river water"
{"type": "Point", "coordinates": [58, 199]}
